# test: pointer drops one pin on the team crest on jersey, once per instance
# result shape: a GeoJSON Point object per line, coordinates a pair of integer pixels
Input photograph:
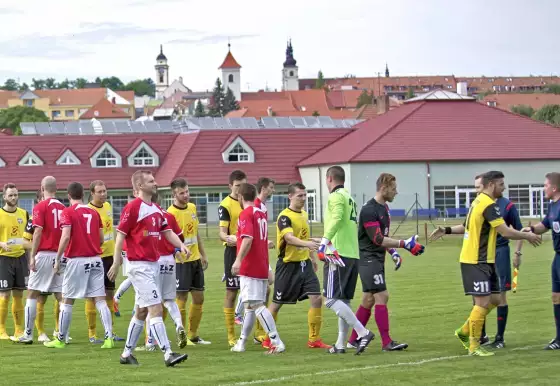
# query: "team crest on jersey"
{"type": "Point", "coordinates": [20, 221]}
{"type": "Point", "coordinates": [109, 214]}
{"type": "Point", "coordinates": [194, 215]}
{"type": "Point", "coordinates": [556, 227]}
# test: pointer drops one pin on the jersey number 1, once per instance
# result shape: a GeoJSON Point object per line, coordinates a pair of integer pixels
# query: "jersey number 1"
{"type": "Point", "coordinates": [56, 216]}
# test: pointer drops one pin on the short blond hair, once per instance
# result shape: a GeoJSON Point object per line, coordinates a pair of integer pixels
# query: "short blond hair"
{"type": "Point", "coordinates": [138, 178]}
{"type": "Point", "coordinates": [385, 180]}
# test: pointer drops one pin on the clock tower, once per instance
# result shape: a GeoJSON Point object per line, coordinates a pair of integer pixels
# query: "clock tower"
{"type": "Point", "coordinates": [162, 73]}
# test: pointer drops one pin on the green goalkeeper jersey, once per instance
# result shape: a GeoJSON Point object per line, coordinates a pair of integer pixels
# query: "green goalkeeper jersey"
{"type": "Point", "coordinates": [341, 223]}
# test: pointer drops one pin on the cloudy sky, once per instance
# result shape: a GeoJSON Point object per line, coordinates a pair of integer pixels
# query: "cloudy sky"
{"type": "Point", "coordinates": [78, 38]}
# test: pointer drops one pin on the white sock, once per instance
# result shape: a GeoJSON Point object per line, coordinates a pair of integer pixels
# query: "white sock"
{"type": "Point", "coordinates": [106, 319]}
{"type": "Point", "coordinates": [158, 332]}
{"type": "Point", "coordinates": [30, 314]}
{"type": "Point", "coordinates": [125, 285]}
{"type": "Point", "coordinates": [267, 322]}
{"type": "Point", "coordinates": [248, 323]}
{"type": "Point", "coordinates": [134, 330]}
{"type": "Point", "coordinates": [344, 311]}
{"type": "Point", "coordinates": [343, 328]}
{"type": "Point", "coordinates": [150, 340]}
{"type": "Point", "coordinates": [64, 321]}
{"type": "Point", "coordinates": [174, 312]}
{"type": "Point", "coordinates": [239, 307]}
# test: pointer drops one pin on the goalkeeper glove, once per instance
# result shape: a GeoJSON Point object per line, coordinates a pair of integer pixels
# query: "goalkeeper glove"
{"type": "Point", "coordinates": [332, 257]}
{"type": "Point", "coordinates": [412, 245]}
{"type": "Point", "coordinates": [397, 259]}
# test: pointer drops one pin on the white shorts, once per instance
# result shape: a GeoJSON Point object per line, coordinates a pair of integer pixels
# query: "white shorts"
{"type": "Point", "coordinates": [124, 264]}
{"type": "Point", "coordinates": [44, 279]}
{"type": "Point", "coordinates": [144, 278]}
{"type": "Point", "coordinates": [83, 278]}
{"type": "Point", "coordinates": [167, 277]}
{"type": "Point", "coordinates": [252, 289]}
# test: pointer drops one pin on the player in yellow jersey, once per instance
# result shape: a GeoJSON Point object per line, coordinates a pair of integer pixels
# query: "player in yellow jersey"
{"type": "Point", "coordinates": [98, 201]}
{"type": "Point", "coordinates": [228, 213]}
{"type": "Point", "coordinates": [13, 262]}
{"type": "Point", "coordinates": [190, 274]}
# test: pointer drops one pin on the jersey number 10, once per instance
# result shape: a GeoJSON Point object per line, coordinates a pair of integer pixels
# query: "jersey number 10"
{"type": "Point", "coordinates": [263, 228]}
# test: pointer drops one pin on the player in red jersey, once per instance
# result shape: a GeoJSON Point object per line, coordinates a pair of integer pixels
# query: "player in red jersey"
{"type": "Point", "coordinates": [142, 223]}
{"type": "Point", "coordinates": [81, 240]}
{"type": "Point", "coordinates": [251, 264]}
{"type": "Point", "coordinates": [46, 237]}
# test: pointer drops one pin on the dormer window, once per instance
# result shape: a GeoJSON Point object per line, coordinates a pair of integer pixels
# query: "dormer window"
{"type": "Point", "coordinates": [30, 159]}
{"type": "Point", "coordinates": [143, 155]}
{"type": "Point", "coordinates": [106, 157]}
{"type": "Point", "coordinates": [68, 158]}
{"type": "Point", "coordinates": [238, 151]}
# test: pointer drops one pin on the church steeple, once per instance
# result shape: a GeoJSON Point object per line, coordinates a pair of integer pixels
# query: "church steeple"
{"type": "Point", "coordinates": [386, 70]}
{"type": "Point", "coordinates": [290, 78]}
{"type": "Point", "coordinates": [290, 61]}
{"type": "Point", "coordinates": [162, 73]}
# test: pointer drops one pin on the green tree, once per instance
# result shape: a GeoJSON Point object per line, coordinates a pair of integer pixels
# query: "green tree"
{"type": "Point", "coordinates": [10, 85]}
{"type": "Point", "coordinates": [365, 98]}
{"type": "Point", "coordinates": [24, 87]}
{"type": "Point", "coordinates": [64, 84]}
{"type": "Point", "coordinates": [553, 89]}
{"type": "Point", "coordinates": [141, 87]}
{"type": "Point", "coordinates": [38, 84]}
{"type": "Point", "coordinates": [316, 113]}
{"type": "Point", "coordinates": [113, 83]}
{"type": "Point", "coordinates": [230, 103]}
{"type": "Point", "coordinates": [50, 83]}
{"type": "Point", "coordinates": [216, 108]}
{"type": "Point", "coordinates": [525, 110]}
{"type": "Point", "coordinates": [320, 82]}
{"type": "Point", "coordinates": [548, 114]}
{"type": "Point", "coordinates": [199, 110]}
{"type": "Point", "coordinates": [81, 82]}
{"type": "Point", "coordinates": [11, 118]}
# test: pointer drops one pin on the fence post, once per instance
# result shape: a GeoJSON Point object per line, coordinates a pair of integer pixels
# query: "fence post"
{"type": "Point", "coordinates": [426, 231]}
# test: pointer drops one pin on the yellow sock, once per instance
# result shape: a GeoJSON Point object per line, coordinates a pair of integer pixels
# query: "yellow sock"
{"type": "Point", "coordinates": [195, 316]}
{"type": "Point", "coordinates": [111, 309]}
{"type": "Point", "coordinates": [476, 321]}
{"type": "Point", "coordinates": [229, 315]}
{"type": "Point", "coordinates": [4, 301]}
{"type": "Point", "coordinates": [182, 304]}
{"type": "Point", "coordinates": [40, 319]}
{"type": "Point", "coordinates": [56, 311]}
{"type": "Point", "coordinates": [91, 318]}
{"type": "Point", "coordinates": [465, 328]}
{"type": "Point", "coordinates": [17, 313]}
{"type": "Point", "coordinates": [315, 321]}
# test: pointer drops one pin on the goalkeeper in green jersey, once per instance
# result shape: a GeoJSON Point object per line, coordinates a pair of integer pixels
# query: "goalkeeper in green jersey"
{"type": "Point", "coordinates": [339, 251]}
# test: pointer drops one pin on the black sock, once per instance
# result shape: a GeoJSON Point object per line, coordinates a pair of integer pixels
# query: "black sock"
{"type": "Point", "coordinates": [502, 312]}
{"type": "Point", "coordinates": [483, 334]}
{"type": "Point", "coordinates": [557, 318]}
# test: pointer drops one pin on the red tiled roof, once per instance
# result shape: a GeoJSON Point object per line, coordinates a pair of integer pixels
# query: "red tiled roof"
{"type": "Point", "coordinates": [175, 158]}
{"type": "Point", "coordinates": [535, 100]}
{"type": "Point", "coordinates": [78, 97]}
{"type": "Point", "coordinates": [104, 109]}
{"type": "Point", "coordinates": [343, 99]}
{"type": "Point", "coordinates": [7, 95]}
{"type": "Point", "coordinates": [229, 62]}
{"type": "Point", "coordinates": [442, 131]}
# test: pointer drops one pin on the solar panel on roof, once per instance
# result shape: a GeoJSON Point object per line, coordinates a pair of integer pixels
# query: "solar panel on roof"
{"type": "Point", "coordinates": [151, 127]}
{"type": "Point", "coordinates": [284, 123]}
{"type": "Point", "coordinates": [207, 123]}
{"type": "Point", "coordinates": [221, 123]}
{"type": "Point", "coordinates": [269, 123]}
{"type": "Point", "coordinates": [339, 123]}
{"type": "Point", "coordinates": [72, 127]}
{"type": "Point", "coordinates": [57, 128]}
{"type": "Point", "coordinates": [165, 126]}
{"type": "Point", "coordinates": [28, 128]}
{"type": "Point", "coordinates": [122, 127]}
{"type": "Point", "coordinates": [108, 127]}
{"type": "Point", "coordinates": [326, 122]}
{"type": "Point", "coordinates": [235, 123]}
{"type": "Point", "coordinates": [193, 123]}
{"type": "Point", "coordinates": [250, 123]}
{"type": "Point", "coordinates": [137, 127]}
{"type": "Point", "coordinates": [298, 122]}
{"type": "Point", "coordinates": [43, 128]}
{"type": "Point", "coordinates": [311, 121]}
{"type": "Point", "coordinates": [86, 127]}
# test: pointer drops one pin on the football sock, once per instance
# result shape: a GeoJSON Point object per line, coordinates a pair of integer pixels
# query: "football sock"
{"type": "Point", "coordinates": [362, 314]}
{"type": "Point", "coordinates": [502, 312]}
{"type": "Point", "coordinates": [195, 316]}
{"type": "Point", "coordinates": [343, 328]}
{"type": "Point", "coordinates": [134, 330]}
{"type": "Point", "coordinates": [91, 318]}
{"type": "Point", "coordinates": [4, 300]}
{"type": "Point", "coordinates": [230, 323]}
{"type": "Point", "coordinates": [158, 332]}
{"type": "Point", "coordinates": [182, 305]}
{"type": "Point", "coordinates": [17, 314]}
{"type": "Point", "coordinates": [490, 308]}
{"type": "Point", "coordinates": [105, 315]}
{"type": "Point", "coordinates": [64, 322]}
{"type": "Point", "coordinates": [382, 320]}
{"type": "Point", "coordinates": [173, 310]}
{"type": "Point", "coordinates": [267, 321]}
{"type": "Point", "coordinates": [248, 323]}
{"type": "Point", "coordinates": [465, 330]}
{"type": "Point", "coordinates": [40, 320]}
{"type": "Point", "coordinates": [240, 306]}
{"type": "Point", "coordinates": [344, 311]}
{"type": "Point", "coordinates": [56, 311]}
{"type": "Point", "coordinates": [110, 304]}
{"type": "Point", "coordinates": [315, 321]}
{"type": "Point", "coordinates": [476, 321]}
{"type": "Point", "coordinates": [125, 285]}
{"type": "Point", "coordinates": [30, 313]}
{"type": "Point", "coordinates": [148, 331]}
{"type": "Point", "coordinates": [557, 319]}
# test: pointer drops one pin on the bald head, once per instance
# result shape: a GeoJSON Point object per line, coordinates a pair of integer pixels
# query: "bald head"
{"type": "Point", "coordinates": [48, 184]}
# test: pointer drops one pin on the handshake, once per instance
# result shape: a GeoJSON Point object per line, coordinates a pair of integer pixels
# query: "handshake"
{"type": "Point", "coordinates": [532, 237]}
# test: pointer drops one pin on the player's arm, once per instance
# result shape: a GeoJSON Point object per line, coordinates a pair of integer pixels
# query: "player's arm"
{"type": "Point", "coordinates": [117, 254]}
{"type": "Point", "coordinates": [101, 234]}
{"type": "Point", "coordinates": [515, 221]}
{"type": "Point", "coordinates": [246, 234]}
{"type": "Point", "coordinates": [284, 224]}
{"type": "Point", "coordinates": [129, 216]}
{"type": "Point", "coordinates": [63, 243]}
{"type": "Point", "coordinates": [225, 218]}
{"type": "Point", "coordinates": [540, 228]}
{"type": "Point", "coordinates": [493, 216]}
{"type": "Point", "coordinates": [174, 240]}
{"type": "Point", "coordinates": [203, 257]}
{"type": "Point", "coordinates": [440, 231]}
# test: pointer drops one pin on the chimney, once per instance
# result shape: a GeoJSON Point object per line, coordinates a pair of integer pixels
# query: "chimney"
{"type": "Point", "coordinates": [269, 111]}
{"type": "Point", "coordinates": [181, 79]}
{"type": "Point", "coordinates": [382, 103]}
{"type": "Point", "coordinates": [462, 88]}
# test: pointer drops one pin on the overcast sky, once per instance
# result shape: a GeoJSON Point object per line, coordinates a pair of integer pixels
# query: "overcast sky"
{"type": "Point", "coordinates": [78, 38]}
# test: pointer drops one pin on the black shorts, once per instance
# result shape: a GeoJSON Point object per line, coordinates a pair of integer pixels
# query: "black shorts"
{"type": "Point", "coordinates": [480, 279]}
{"type": "Point", "coordinates": [107, 263]}
{"type": "Point", "coordinates": [372, 275]}
{"type": "Point", "coordinates": [340, 282]}
{"type": "Point", "coordinates": [503, 267]}
{"type": "Point", "coordinates": [232, 282]}
{"type": "Point", "coordinates": [555, 270]}
{"type": "Point", "coordinates": [294, 281]}
{"type": "Point", "coordinates": [190, 276]}
{"type": "Point", "coordinates": [14, 273]}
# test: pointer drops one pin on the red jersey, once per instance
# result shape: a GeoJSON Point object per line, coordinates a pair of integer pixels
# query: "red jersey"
{"type": "Point", "coordinates": [259, 204]}
{"type": "Point", "coordinates": [253, 223]}
{"type": "Point", "coordinates": [142, 224]}
{"type": "Point", "coordinates": [165, 247]}
{"type": "Point", "coordinates": [86, 228]}
{"type": "Point", "coordinates": [46, 215]}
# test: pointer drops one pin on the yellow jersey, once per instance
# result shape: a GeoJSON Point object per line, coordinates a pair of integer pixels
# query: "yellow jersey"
{"type": "Point", "coordinates": [479, 242]}
{"type": "Point", "coordinates": [187, 220]}
{"type": "Point", "coordinates": [106, 213]}
{"type": "Point", "coordinates": [228, 213]}
{"type": "Point", "coordinates": [290, 221]}
{"type": "Point", "coordinates": [28, 232]}
{"type": "Point", "coordinates": [12, 229]}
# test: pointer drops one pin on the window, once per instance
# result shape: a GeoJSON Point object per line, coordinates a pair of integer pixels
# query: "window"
{"type": "Point", "coordinates": [27, 204]}
{"type": "Point", "coordinates": [55, 113]}
{"type": "Point", "coordinates": [199, 200]}
{"type": "Point", "coordinates": [529, 199]}
{"type": "Point", "coordinates": [280, 202]}
{"type": "Point", "coordinates": [447, 197]}
{"type": "Point", "coordinates": [143, 155]}
{"type": "Point", "coordinates": [69, 113]}
{"type": "Point", "coordinates": [2, 163]}
{"type": "Point", "coordinates": [238, 151]}
{"type": "Point", "coordinates": [30, 159]}
{"type": "Point", "coordinates": [213, 198]}
{"type": "Point", "coordinates": [491, 103]}
{"type": "Point", "coordinates": [118, 203]}
{"type": "Point", "coordinates": [166, 201]}
{"type": "Point", "coordinates": [28, 102]}
{"type": "Point", "coordinates": [310, 205]}
{"type": "Point", "coordinates": [238, 154]}
{"type": "Point", "coordinates": [230, 78]}
{"type": "Point", "coordinates": [106, 157]}
{"type": "Point", "coordinates": [68, 158]}
{"type": "Point", "coordinates": [291, 73]}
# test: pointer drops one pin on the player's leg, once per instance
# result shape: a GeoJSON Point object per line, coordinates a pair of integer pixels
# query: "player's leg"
{"type": "Point", "coordinates": [96, 285]}
{"type": "Point", "coordinates": [40, 318]}
{"type": "Point", "coordinates": [256, 295]}
{"type": "Point", "coordinates": [6, 284]}
{"type": "Point", "coordinates": [110, 292]}
{"type": "Point", "coordinates": [123, 287]}
{"type": "Point", "coordinates": [382, 321]}
{"type": "Point", "coordinates": [249, 316]}
{"type": "Point", "coordinates": [21, 273]}
{"type": "Point", "coordinates": [239, 310]}
{"type": "Point", "coordinates": [232, 288]}
{"type": "Point", "coordinates": [168, 290]}
{"type": "Point", "coordinates": [311, 288]}
{"type": "Point", "coordinates": [503, 269]}
{"type": "Point", "coordinates": [339, 285]}
{"type": "Point", "coordinates": [182, 289]}
{"type": "Point", "coordinates": [555, 343]}
{"type": "Point", "coordinates": [260, 333]}
{"type": "Point", "coordinates": [91, 320]}
{"type": "Point", "coordinates": [369, 276]}
{"type": "Point", "coordinates": [197, 287]}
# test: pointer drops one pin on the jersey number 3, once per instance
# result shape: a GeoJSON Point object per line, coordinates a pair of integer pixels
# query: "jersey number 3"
{"type": "Point", "coordinates": [353, 210]}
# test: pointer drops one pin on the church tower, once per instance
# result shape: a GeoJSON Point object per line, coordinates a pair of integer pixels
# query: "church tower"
{"type": "Point", "coordinates": [162, 73]}
{"type": "Point", "coordinates": [231, 74]}
{"type": "Point", "coordinates": [290, 78]}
